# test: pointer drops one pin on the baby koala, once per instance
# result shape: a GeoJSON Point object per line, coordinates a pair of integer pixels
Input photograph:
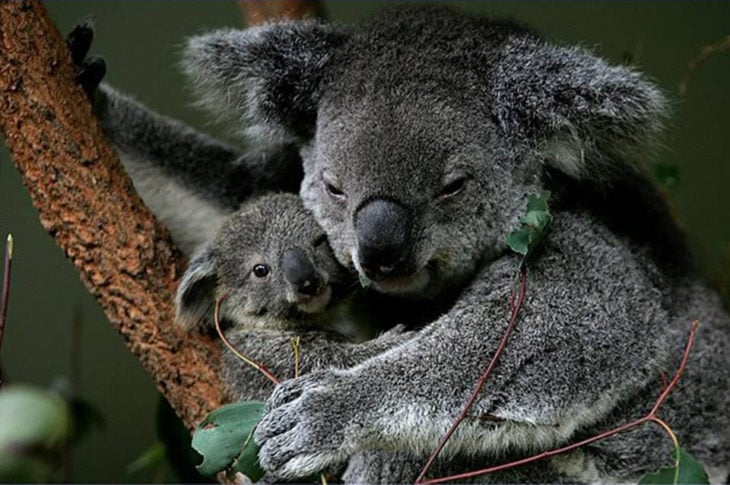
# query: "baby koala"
{"type": "Point", "coordinates": [281, 280]}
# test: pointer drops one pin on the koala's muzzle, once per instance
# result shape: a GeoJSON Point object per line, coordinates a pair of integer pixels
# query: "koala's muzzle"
{"type": "Point", "coordinates": [383, 228]}
{"type": "Point", "coordinates": [300, 272]}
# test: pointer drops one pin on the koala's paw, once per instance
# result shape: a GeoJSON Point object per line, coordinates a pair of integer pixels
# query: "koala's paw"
{"type": "Point", "coordinates": [91, 70]}
{"type": "Point", "coordinates": [307, 427]}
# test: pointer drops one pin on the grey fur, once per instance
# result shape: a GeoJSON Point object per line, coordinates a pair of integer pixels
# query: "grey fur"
{"type": "Point", "coordinates": [395, 109]}
{"type": "Point", "coordinates": [190, 180]}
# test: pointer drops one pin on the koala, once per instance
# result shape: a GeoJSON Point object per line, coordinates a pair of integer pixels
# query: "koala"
{"type": "Point", "coordinates": [421, 135]}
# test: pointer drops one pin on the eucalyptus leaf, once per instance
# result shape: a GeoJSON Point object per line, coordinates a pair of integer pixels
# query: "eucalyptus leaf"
{"type": "Point", "coordinates": [31, 417]}
{"type": "Point", "coordinates": [537, 219]}
{"type": "Point", "coordinates": [519, 241]}
{"type": "Point", "coordinates": [538, 202]}
{"type": "Point", "coordinates": [34, 426]}
{"type": "Point", "coordinates": [221, 437]}
{"type": "Point", "coordinates": [248, 461]}
{"type": "Point", "coordinates": [534, 225]}
{"type": "Point", "coordinates": [687, 471]}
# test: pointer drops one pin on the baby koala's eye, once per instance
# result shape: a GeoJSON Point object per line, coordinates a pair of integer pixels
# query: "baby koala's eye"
{"type": "Point", "coordinates": [261, 270]}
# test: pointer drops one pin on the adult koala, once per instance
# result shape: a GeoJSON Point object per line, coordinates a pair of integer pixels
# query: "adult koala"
{"type": "Point", "coordinates": [422, 134]}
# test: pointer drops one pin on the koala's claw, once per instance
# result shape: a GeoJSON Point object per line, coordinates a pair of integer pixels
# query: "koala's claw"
{"type": "Point", "coordinates": [292, 389]}
{"type": "Point", "coordinates": [278, 421]}
{"type": "Point", "coordinates": [79, 41]}
{"type": "Point", "coordinates": [90, 75]}
{"type": "Point", "coordinates": [90, 70]}
{"type": "Point", "coordinates": [304, 429]}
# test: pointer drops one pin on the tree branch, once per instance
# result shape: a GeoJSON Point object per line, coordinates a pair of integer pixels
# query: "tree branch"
{"type": "Point", "coordinates": [125, 257]}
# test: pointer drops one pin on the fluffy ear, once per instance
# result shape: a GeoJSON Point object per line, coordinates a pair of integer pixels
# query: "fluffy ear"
{"type": "Point", "coordinates": [268, 75]}
{"type": "Point", "coordinates": [588, 118]}
{"type": "Point", "coordinates": [195, 299]}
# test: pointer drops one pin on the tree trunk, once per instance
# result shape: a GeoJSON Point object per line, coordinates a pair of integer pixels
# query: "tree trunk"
{"type": "Point", "coordinates": [124, 256]}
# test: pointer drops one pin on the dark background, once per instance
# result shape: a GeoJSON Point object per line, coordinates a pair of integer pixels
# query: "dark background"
{"type": "Point", "coordinates": [141, 42]}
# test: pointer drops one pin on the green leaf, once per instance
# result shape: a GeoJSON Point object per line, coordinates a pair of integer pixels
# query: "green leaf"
{"type": "Point", "coordinates": [538, 202]}
{"type": "Point", "coordinates": [534, 225]}
{"type": "Point", "coordinates": [34, 426]}
{"type": "Point", "coordinates": [519, 240]}
{"type": "Point", "coordinates": [32, 417]}
{"type": "Point", "coordinates": [537, 219]}
{"type": "Point", "coordinates": [221, 437]}
{"type": "Point", "coordinates": [687, 471]}
{"type": "Point", "coordinates": [248, 461]}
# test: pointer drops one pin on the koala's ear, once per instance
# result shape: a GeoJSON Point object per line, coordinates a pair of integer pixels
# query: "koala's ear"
{"type": "Point", "coordinates": [269, 75]}
{"type": "Point", "coordinates": [589, 119]}
{"type": "Point", "coordinates": [195, 299]}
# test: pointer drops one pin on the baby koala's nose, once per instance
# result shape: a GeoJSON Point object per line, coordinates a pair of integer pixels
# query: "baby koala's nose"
{"type": "Point", "coordinates": [300, 272]}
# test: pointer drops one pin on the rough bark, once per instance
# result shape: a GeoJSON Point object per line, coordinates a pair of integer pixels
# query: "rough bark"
{"type": "Point", "coordinates": [85, 200]}
{"type": "Point", "coordinates": [259, 11]}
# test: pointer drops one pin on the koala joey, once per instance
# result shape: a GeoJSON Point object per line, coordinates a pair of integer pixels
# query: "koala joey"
{"type": "Point", "coordinates": [272, 265]}
{"type": "Point", "coordinates": [419, 137]}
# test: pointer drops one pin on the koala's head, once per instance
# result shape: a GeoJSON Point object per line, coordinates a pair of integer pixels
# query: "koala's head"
{"type": "Point", "coordinates": [272, 262]}
{"type": "Point", "coordinates": [424, 131]}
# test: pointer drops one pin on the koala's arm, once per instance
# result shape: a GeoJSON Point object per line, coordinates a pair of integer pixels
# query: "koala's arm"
{"type": "Point", "coordinates": [190, 180]}
{"type": "Point", "coordinates": [592, 331]}
{"type": "Point", "coordinates": [273, 348]}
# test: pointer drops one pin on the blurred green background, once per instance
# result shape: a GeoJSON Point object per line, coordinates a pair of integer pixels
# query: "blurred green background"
{"type": "Point", "coordinates": [140, 41]}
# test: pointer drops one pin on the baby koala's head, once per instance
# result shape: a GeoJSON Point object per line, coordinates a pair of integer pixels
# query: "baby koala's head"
{"type": "Point", "coordinates": [272, 262]}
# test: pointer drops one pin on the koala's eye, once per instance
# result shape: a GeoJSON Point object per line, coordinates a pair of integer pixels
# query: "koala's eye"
{"type": "Point", "coordinates": [261, 270]}
{"type": "Point", "coordinates": [332, 189]}
{"type": "Point", "coordinates": [453, 186]}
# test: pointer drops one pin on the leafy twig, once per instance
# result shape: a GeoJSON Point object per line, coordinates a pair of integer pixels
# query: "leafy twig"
{"type": "Point", "coordinates": [706, 52]}
{"type": "Point", "coordinates": [651, 417]}
{"type": "Point", "coordinates": [514, 309]}
{"type": "Point", "coordinates": [259, 367]}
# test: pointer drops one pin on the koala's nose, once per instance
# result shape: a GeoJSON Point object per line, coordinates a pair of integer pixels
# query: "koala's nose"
{"type": "Point", "coordinates": [300, 272]}
{"type": "Point", "coordinates": [382, 228]}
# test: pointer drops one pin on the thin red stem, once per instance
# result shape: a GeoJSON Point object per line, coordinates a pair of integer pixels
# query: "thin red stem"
{"type": "Point", "coordinates": [6, 286]}
{"type": "Point", "coordinates": [649, 417]}
{"type": "Point", "coordinates": [678, 374]}
{"type": "Point", "coordinates": [530, 459]}
{"type": "Point", "coordinates": [8, 264]}
{"type": "Point", "coordinates": [515, 309]}
{"type": "Point", "coordinates": [259, 367]}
